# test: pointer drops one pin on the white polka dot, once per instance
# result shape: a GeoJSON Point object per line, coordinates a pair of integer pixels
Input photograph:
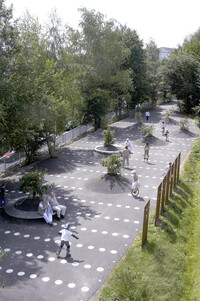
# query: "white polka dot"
{"type": "Point", "coordinates": [36, 237]}
{"type": "Point", "coordinates": [87, 266]}
{"type": "Point", "coordinates": [63, 261]}
{"type": "Point", "coordinates": [114, 234]}
{"type": "Point", "coordinates": [51, 258]}
{"type": "Point", "coordinates": [45, 279]}
{"type": "Point", "coordinates": [92, 202]}
{"type": "Point", "coordinates": [40, 256]}
{"type": "Point", "coordinates": [88, 214]}
{"type": "Point", "coordinates": [136, 222]}
{"type": "Point", "coordinates": [107, 217]}
{"type": "Point", "coordinates": [71, 285]}
{"type": "Point", "coordinates": [100, 203]}
{"type": "Point", "coordinates": [16, 233]}
{"type": "Point", "coordinates": [104, 232]}
{"type": "Point", "coordinates": [78, 213]}
{"type": "Point", "coordinates": [113, 252]}
{"type": "Point", "coordinates": [7, 232]}
{"type": "Point", "coordinates": [102, 249]}
{"type": "Point", "coordinates": [127, 207]}
{"type": "Point", "coordinates": [83, 229]}
{"type": "Point", "coordinates": [33, 276]}
{"type": "Point", "coordinates": [109, 204]}
{"type": "Point", "coordinates": [136, 208]}
{"type": "Point", "coordinates": [29, 254]}
{"type": "Point", "coordinates": [97, 215]}
{"type": "Point", "coordinates": [21, 274]}
{"type": "Point", "coordinates": [125, 236]}
{"type": "Point", "coordinates": [18, 252]}
{"type": "Point", "coordinates": [83, 201]}
{"type": "Point", "coordinates": [90, 247]}
{"type": "Point", "coordinates": [126, 220]}
{"type": "Point", "coordinates": [85, 289]}
{"type": "Point", "coordinates": [100, 269]}
{"type": "Point", "coordinates": [80, 188]}
{"type": "Point", "coordinates": [94, 230]}
{"type": "Point", "coordinates": [26, 235]}
{"type": "Point", "coordinates": [47, 239]}
{"type": "Point", "coordinates": [58, 282]}
{"type": "Point", "coordinates": [7, 250]}
{"type": "Point", "coordinates": [119, 206]}
{"type": "Point", "coordinates": [75, 264]}
{"type": "Point", "coordinates": [79, 245]}
{"type": "Point", "coordinates": [9, 271]}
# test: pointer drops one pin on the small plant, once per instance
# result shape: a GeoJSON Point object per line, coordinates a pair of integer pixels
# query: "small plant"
{"type": "Point", "coordinates": [108, 137]}
{"type": "Point", "coordinates": [147, 131]}
{"type": "Point", "coordinates": [113, 164]}
{"type": "Point", "coordinates": [168, 114]}
{"type": "Point", "coordinates": [138, 116]}
{"type": "Point", "coordinates": [33, 182]}
{"type": "Point", "coordinates": [184, 125]}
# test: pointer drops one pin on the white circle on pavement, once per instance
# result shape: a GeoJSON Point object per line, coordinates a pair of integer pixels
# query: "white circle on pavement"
{"type": "Point", "coordinates": [37, 237]}
{"type": "Point", "coordinates": [114, 234]}
{"type": "Point", "coordinates": [100, 269]}
{"type": "Point", "coordinates": [126, 220]}
{"type": "Point", "coordinates": [125, 236]}
{"type": "Point", "coordinates": [47, 239]}
{"type": "Point", "coordinates": [97, 215]}
{"type": "Point", "coordinates": [40, 256]}
{"type": "Point", "coordinates": [7, 250]}
{"type": "Point", "coordinates": [136, 222]}
{"type": "Point", "coordinates": [29, 254]}
{"type": "Point", "coordinates": [18, 252]}
{"type": "Point", "coordinates": [33, 276]}
{"type": "Point", "coordinates": [21, 274]}
{"type": "Point", "coordinates": [102, 249]}
{"type": "Point", "coordinates": [109, 204]}
{"type": "Point", "coordinates": [9, 271]}
{"type": "Point", "coordinates": [104, 232]}
{"type": "Point", "coordinates": [58, 282]}
{"type": "Point", "coordinates": [7, 232]}
{"type": "Point", "coordinates": [16, 233]}
{"type": "Point", "coordinates": [87, 266]}
{"type": "Point", "coordinates": [107, 217]}
{"type": "Point", "coordinates": [113, 252]}
{"type": "Point", "coordinates": [51, 258]}
{"type": "Point", "coordinates": [90, 247]}
{"type": "Point", "coordinates": [45, 279]}
{"type": "Point", "coordinates": [71, 285]}
{"type": "Point", "coordinates": [136, 208]}
{"type": "Point", "coordinates": [94, 230]}
{"type": "Point", "coordinates": [116, 219]}
{"type": "Point", "coordinates": [127, 207]}
{"type": "Point", "coordinates": [83, 201]}
{"type": "Point", "coordinates": [119, 206]}
{"type": "Point", "coordinates": [85, 289]}
{"type": "Point", "coordinates": [26, 235]}
{"type": "Point", "coordinates": [83, 229]}
{"type": "Point", "coordinates": [63, 261]}
{"type": "Point", "coordinates": [75, 264]}
{"type": "Point", "coordinates": [79, 245]}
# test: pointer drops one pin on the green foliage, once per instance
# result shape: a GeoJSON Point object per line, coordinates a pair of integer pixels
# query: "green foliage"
{"type": "Point", "coordinates": [34, 182]}
{"type": "Point", "coordinates": [113, 164]}
{"type": "Point", "coordinates": [147, 131]}
{"type": "Point", "coordinates": [184, 125]}
{"type": "Point", "coordinates": [108, 137]}
{"type": "Point", "coordinates": [138, 116]}
{"type": "Point", "coordinates": [168, 113]}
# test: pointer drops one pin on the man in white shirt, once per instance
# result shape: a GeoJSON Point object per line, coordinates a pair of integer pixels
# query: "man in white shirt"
{"type": "Point", "coordinates": [65, 234]}
{"type": "Point", "coordinates": [60, 209]}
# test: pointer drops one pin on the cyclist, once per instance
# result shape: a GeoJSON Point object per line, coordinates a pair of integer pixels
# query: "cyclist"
{"type": "Point", "coordinates": [135, 183]}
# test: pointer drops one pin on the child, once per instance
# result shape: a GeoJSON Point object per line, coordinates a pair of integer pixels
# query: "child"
{"type": "Point", "coordinates": [2, 196]}
{"type": "Point", "coordinates": [166, 134]}
{"type": "Point", "coordinates": [65, 233]}
{"type": "Point", "coordinates": [146, 151]}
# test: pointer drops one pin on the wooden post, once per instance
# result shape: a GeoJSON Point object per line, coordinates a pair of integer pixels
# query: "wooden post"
{"type": "Point", "coordinates": [158, 203]}
{"type": "Point", "coordinates": [171, 178]}
{"type": "Point", "coordinates": [175, 170]}
{"type": "Point", "coordinates": [178, 167]}
{"type": "Point", "coordinates": [145, 223]}
{"type": "Point", "coordinates": [167, 185]}
{"type": "Point", "coordinates": [163, 193]}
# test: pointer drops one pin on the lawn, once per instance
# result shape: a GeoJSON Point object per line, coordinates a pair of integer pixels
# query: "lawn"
{"type": "Point", "coordinates": [168, 267]}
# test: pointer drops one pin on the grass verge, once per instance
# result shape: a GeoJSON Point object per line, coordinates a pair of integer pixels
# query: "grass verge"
{"type": "Point", "coordinates": [168, 267]}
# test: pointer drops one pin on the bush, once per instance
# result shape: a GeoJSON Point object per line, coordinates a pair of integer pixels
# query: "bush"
{"type": "Point", "coordinates": [113, 164]}
{"type": "Point", "coordinates": [108, 137]}
{"type": "Point", "coordinates": [138, 116]}
{"type": "Point", "coordinates": [184, 125]}
{"type": "Point", "coordinates": [33, 182]}
{"type": "Point", "coordinates": [147, 131]}
{"type": "Point", "coordinates": [168, 114]}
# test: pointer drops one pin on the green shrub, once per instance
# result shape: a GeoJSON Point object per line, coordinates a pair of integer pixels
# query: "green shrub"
{"type": "Point", "coordinates": [113, 164]}
{"type": "Point", "coordinates": [138, 116]}
{"type": "Point", "coordinates": [184, 125]}
{"type": "Point", "coordinates": [147, 131]}
{"type": "Point", "coordinates": [108, 137]}
{"type": "Point", "coordinates": [33, 182]}
{"type": "Point", "coordinates": [168, 114]}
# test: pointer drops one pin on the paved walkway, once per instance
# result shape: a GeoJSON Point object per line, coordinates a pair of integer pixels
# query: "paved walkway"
{"type": "Point", "coordinates": [107, 223]}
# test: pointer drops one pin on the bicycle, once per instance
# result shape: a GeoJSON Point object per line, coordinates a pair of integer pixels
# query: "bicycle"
{"type": "Point", "coordinates": [135, 190]}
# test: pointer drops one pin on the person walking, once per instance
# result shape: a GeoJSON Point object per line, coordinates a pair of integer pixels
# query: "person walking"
{"type": "Point", "coordinates": [146, 151]}
{"type": "Point", "coordinates": [163, 128]}
{"type": "Point", "coordinates": [2, 196]}
{"type": "Point", "coordinates": [147, 114]}
{"type": "Point", "coordinates": [126, 155]}
{"type": "Point", "coordinates": [65, 234]}
{"type": "Point", "coordinates": [166, 134]}
{"type": "Point", "coordinates": [128, 143]}
{"type": "Point", "coordinates": [60, 209]}
{"type": "Point", "coordinates": [46, 211]}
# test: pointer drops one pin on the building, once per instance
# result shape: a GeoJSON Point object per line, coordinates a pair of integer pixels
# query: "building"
{"type": "Point", "coordinates": [164, 52]}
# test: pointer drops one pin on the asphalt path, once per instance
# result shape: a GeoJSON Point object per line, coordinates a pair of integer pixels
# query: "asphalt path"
{"type": "Point", "coordinates": [106, 220]}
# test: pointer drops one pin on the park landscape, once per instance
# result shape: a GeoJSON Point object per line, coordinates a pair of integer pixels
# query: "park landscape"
{"type": "Point", "coordinates": [38, 98]}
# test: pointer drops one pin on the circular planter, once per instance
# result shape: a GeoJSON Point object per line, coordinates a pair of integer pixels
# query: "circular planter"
{"type": "Point", "coordinates": [108, 150]}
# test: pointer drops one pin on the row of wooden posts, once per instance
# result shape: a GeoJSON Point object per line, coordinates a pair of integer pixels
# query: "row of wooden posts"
{"type": "Point", "coordinates": [164, 192]}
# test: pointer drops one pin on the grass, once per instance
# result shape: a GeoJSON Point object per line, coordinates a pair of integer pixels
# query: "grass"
{"type": "Point", "coordinates": [168, 267]}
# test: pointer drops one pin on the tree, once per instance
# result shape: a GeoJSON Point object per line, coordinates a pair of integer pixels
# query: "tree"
{"type": "Point", "coordinates": [181, 73]}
